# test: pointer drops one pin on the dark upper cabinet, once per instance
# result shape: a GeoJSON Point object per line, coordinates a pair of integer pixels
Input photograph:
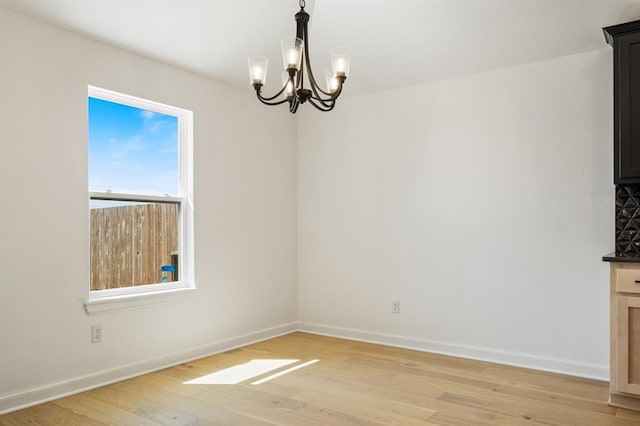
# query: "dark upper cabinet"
{"type": "Point", "coordinates": [625, 40]}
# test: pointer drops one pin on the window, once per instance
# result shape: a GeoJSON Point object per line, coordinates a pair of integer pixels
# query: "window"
{"type": "Point", "coordinates": [140, 201]}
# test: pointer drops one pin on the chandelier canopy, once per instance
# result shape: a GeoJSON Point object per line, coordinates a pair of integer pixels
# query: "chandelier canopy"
{"type": "Point", "coordinates": [295, 55]}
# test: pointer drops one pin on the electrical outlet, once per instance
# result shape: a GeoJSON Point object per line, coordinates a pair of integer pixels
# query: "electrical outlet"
{"type": "Point", "coordinates": [395, 307]}
{"type": "Point", "coordinates": [96, 334]}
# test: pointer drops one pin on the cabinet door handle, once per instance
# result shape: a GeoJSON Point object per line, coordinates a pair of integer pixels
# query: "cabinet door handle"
{"type": "Point", "coordinates": [637, 281]}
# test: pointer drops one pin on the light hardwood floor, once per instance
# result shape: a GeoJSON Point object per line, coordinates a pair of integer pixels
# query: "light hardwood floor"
{"type": "Point", "coordinates": [332, 381]}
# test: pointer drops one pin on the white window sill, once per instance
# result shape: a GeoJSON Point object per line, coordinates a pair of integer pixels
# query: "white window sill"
{"type": "Point", "coordinates": [126, 302]}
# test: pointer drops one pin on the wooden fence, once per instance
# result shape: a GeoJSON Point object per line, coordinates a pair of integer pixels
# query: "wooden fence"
{"type": "Point", "coordinates": [129, 244]}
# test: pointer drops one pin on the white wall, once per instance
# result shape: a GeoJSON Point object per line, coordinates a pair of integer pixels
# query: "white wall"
{"type": "Point", "coordinates": [483, 203]}
{"type": "Point", "coordinates": [245, 205]}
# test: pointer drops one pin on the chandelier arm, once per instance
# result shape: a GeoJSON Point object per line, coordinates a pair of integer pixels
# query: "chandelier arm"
{"type": "Point", "coordinates": [267, 101]}
{"type": "Point", "coordinates": [322, 107]}
{"type": "Point", "coordinates": [332, 99]}
{"type": "Point", "coordinates": [326, 102]}
{"type": "Point", "coordinates": [323, 102]}
{"type": "Point", "coordinates": [297, 82]}
{"type": "Point", "coordinates": [301, 78]}
{"type": "Point", "coordinates": [271, 103]}
{"type": "Point", "coordinates": [262, 98]}
{"type": "Point", "coordinates": [293, 105]}
{"type": "Point", "coordinates": [314, 85]}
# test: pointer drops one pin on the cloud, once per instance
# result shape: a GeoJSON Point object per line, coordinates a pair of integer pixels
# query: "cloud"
{"type": "Point", "coordinates": [147, 115]}
{"type": "Point", "coordinates": [155, 122]}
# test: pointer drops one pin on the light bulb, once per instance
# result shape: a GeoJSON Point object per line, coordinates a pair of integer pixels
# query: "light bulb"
{"type": "Point", "coordinates": [340, 61]}
{"type": "Point", "coordinates": [292, 58]}
{"type": "Point", "coordinates": [258, 69]}
{"type": "Point", "coordinates": [340, 66]}
{"type": "Point", "coordinates": [258, 74]}
{"type": "Point", "coordinates": [331, 81]}
{"type": "Point", "coordinates": [291, 52]}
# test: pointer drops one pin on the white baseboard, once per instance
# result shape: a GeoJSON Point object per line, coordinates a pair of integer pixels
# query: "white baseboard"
{"type": "Point", "coordinates": [571, 368]}
{"type": "Point", "coordinates": [38, 395]}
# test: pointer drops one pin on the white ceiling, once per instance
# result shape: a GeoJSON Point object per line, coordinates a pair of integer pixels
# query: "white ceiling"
{"type": "Point", "coordinates": [393, 43]}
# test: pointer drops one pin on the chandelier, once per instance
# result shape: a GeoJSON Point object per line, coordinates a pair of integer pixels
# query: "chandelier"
{"type": "Point", "coordinates": [295, 54]}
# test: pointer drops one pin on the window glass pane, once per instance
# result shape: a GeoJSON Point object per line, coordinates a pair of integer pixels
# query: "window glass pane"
{"type": "Point", "coordinates": [133, 243]}
{"type": "Point", "coordinates": [132, 150]}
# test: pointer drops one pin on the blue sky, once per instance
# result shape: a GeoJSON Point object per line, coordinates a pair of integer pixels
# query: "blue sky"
{"type": "Point", "coordinates": [132, 150]}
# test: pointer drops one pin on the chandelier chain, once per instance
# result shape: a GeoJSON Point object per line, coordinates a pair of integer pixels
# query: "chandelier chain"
{"type": "Point", "coordinates": [302, 4]}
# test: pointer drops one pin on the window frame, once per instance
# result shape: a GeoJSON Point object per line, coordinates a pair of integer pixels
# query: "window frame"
{"type": "Point", "coordinates": [126, 297]}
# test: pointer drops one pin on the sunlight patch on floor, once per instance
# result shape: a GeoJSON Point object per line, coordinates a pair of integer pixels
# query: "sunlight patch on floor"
{"type": "Point", "coordinates": [282, 373]}
{"type": "Point", "coordinates": [240, 373]}
{"type": "Point", "coordinates": [250, 370]}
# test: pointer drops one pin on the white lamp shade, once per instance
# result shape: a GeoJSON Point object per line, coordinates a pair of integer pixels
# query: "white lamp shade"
{"type": "Point", "coordinates": [288, 92]}
{"type": "Point", "coordinates": [331, 80]}
{"type": "Point", "coordinates": [340, 61]}
{"type": "Point", "coordinates": [292, 52]}
{"type": "Point", "coordinates": [258, 69]}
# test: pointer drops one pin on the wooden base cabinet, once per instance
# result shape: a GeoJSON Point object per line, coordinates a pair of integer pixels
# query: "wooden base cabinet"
{"type": "Point", "coordinates": [625, 335]}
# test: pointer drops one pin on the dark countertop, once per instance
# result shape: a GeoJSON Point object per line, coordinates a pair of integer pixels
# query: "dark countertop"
{"type": "Point", "coordinates": [611, 257]}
